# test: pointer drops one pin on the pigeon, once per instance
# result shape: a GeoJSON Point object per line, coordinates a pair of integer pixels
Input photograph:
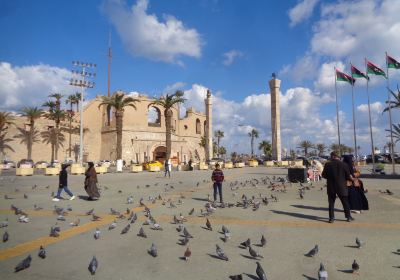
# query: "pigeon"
{"type": "Point", "coordinates": [355, 267]}
{"type": "Point", "coordinates": [69, 208]}
{"type": "Point", "coordinates": [184, 241]}
{"type": "Point", "coordinates": [260, 272]}
{"type": "Point", "coordinates": [246, 243]}
{"type": "Point", "coordinates": [93, 266]}
{"type": "Point", "coordinates": [313, 252]}
{"type": "Point", "coordinates": [113, 225]}
{"type": "Point", "coordinates": [186, 233]}
{"type": "Point", "coordinates": [42, 252]}
{"type": "Point", "coordinates": [187, 254]}
{"type": "Point", "coordinates": [4, 223]}
{"type": "Point", "coordinates": [90, 212]}
{"type": "Point", "coordinates": [5, 236]}
{"type": "Point", "coordinates": [60, 218]}
{"type": "Point", "coordinates": [191, 212]}
{"type": "Point", "coordinates": [54, 232]}
{"type": "Point", "coordinates": [129, 200]}
{"type": "Point", "coordinates": [24, 264]}
{"type": "Point", "coordinates": [227, 236]}
{"type": "Point", "coordinates": [359, 243]}
{"type": "Point", "coordinates": [322, 273]}
{"type": "Point", "coordinates": [37, 208]}
{"type": "Point", "coordinates": [208, 225]}
{"type": "Point", "coordinates": [126, 229]}
{"type": "Point", "coordinates": [114, 212]}
{"type": "Point", "coordinates": [95, 218]}
{"type": "Point", "coordinates": [142, 233]}
{"type": "Point", "coordinates": [179, 228]}
{"type": "Point", "coordinates": [134, 218]}
{"type": "Point", "coordinates": [236, 277]}
{"type": "Point", "coordinates": [25, 196]}
{"type": "Point", "coordinates": [253, 253]}
{"type": "Point", "coordinates": [156, 227]}
{"type": "Point", "coordinates": [263, 241]}
{"type": "Point", "coordinates": [153, 250]}
{"type": "Point", "coordinates": [224, 229]}
{"type": "Point", "coordinates": [23, 219]}
{"type": "Point", "coordinates": [96, 234]}
{"type": "Point", "coordinates": [75, 223]}
{"type": "Point", "coordinates": [389, 192]}
{"type": "Point", "coordinates": [221, 253]}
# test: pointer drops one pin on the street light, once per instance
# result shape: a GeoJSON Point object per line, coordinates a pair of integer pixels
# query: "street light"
{"type": "Point", "coordinates": [80, 78]}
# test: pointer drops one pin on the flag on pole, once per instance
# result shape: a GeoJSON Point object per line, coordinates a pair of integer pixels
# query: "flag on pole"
{"type": "Point", "coordinates": [392, 63]}
{"type": "Point", "coordinates": [340, 76]}
{"type": "Point", "coordinates": [374, 70]}
{"type": "Point", "coordinates": [355, 73]}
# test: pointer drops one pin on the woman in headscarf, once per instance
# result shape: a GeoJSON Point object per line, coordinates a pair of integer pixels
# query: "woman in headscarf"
{"type": "Point", "coordinates": [357, 199]}
{"type": "Point", "coordinates": [91, 182]}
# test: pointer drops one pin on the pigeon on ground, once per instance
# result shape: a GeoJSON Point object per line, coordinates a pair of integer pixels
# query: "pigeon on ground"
{"type": "Point", "coordinates": [227, 236]}
{"type": "Point", "coordinates": [4, 223]}
{"type": "Point", "coordinates": [236, 277]}
{"type": "Point", "coordinates": [253, 253]}
{"type": "Point", "coordinates": [75, 223]}
{"type": "Point", "coordinates": [184, 241]}
{"type": "Point", "coordinates": [208, 224]}
{"type": "Point", "coordinates": [90, 212]}
{"type": "Point", "coordinates": [23, 219]}
{"type": "Point", "coordinates": [54, 232]}
{"type": "Point", "coordinates": [95, 218]}
{"type": "Point", "coordinates": [126, 229]}
{"type": "Point", "coordinates": [186, 233]}
{"type": "Point", "coordinates": [37, 208]}
{"type": "Point", "coordinates": [260, 272]}
{"type": "Point", "coordinates": [246, 243]}
{"type": "Point", "coordinates": [5, 236]}
{"type": "Point", "coordinates": [313, 252]}
{"type": "Point", "coordinates": [134, 218]}
{"type": "Point", "coordinates": [129, 200]}
{"type": "Point", "coordinates": [322, 273]}
{"type": "Point", "coordinates": [220, 253]}
{"type": "Point", "coordinates": [191, 212]}
{"type": "Point", "coordinates": [153, 250]}
{"type": "Point", "coordinates": [263, 241]}
{"type": "Point", "coordinates": [113, 225]}
{"type": "Point", "coordinates": [142, 233]}
{"type": "Point", "coordinates": [24, 264]}
{"type": "Point", "coordinates": [355, 267]}
{"type": "Point", "coordinates": [93, 265]}
{"type": "Point", "coordinates": [114, 212]}
{"type": "Point", "coordinates": [25, 196]}
{"type": "Point", "coordinates": [42, 252]}
{"type": "Point", "coordinates": [187, 254]}
{"type": "Point", "coordinates": [179, 228]}
{"type": "Point", "coordinates": [96, 234]}
{"type": "Point", "coordinates": [69, 208]}
{"type": "Point", "coordinates": [60, 218]}
{"type": "Point", "coordinates": [359, 243]}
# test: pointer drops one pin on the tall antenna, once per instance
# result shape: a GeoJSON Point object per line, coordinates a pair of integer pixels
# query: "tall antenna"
{"type": "Point", "coordinates": [109, 62]}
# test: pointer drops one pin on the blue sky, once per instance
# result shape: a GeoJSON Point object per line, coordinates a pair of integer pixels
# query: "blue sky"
{"type": "Point", "coordinates": [231, 47]}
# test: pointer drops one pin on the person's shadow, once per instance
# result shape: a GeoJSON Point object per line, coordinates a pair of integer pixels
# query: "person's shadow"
{"type": "Point", "coordinates": [85, 197]}
{"type": "Point", "coordinates": [314, 208]}
{"type": "Point", "coordinates": [301, 216]}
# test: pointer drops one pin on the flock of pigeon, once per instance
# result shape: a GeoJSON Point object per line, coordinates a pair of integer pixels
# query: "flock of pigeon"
{"type": "Point", "coordinates": [274, 184]}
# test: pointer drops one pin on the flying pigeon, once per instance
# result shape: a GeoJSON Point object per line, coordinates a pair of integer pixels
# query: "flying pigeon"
{"type": "Point", "coordinates": [260, 272]}
{"type": "Point", "coordinates": [313, 252]}
{"type": "Point", "coordinates": [355, 267]}
{"type": "Point", "coordinates": [126, 229]}
{"type": "Point", "coordinates": [93, 265]}
{"type": "Point", "coordinates": [187, 254]}
{"type": "Point", "coordinates": [221, 253]}
{"type": "Point", "coordinates": [322, 273]}
{"type": "Point", "coordinates": [153, 250]}
{"type": "Point", "coordinates": [24, 264]}
{"type": "Point", "coordinates": [42, 252]}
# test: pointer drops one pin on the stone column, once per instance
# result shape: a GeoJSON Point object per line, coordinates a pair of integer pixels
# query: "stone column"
{"type": "Point", "coordinates": [274, 86]}
{"type": "Point", "coordinates": [209, 134]}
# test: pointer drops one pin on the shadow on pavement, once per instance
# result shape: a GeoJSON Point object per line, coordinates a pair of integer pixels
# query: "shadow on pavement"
{"type": "Point", "coordinates": [200, 199]}
{"type": "Point", "coordinates": [308, 277]}
{"type": "Point", "coordinates": [313, 207]}
{"type": "Point", "coordinates": [301, 216]}
{"type": "Point", "coordinates": [349, 271]}
{"type": "Point", "coordinates": [251, 276]}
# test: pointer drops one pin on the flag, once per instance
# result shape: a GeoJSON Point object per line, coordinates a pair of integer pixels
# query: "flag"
{"type": "Point", "coordinates": [355, 73]}
{"type": "Point", "coordinates": [392, 63]}
{"type": "Point", "coordinates": [340, 76]}
{"type": "Point", "coordinates": [375, 70]}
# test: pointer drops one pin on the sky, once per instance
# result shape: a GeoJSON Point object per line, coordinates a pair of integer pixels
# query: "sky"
{"type": "Point", "coordinates": [231, 47]}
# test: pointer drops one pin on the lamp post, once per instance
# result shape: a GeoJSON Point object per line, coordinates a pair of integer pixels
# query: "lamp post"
{"type": "Point", "coordinates": [81, 78]}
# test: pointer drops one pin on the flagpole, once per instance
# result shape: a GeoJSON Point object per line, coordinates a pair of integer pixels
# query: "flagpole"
{"type": "Point", "coordinates": [390, 118]}
{"type": "Point", "coordinates": [354, 117]}
{"type": "Point", "coordinates": [337, 114]}
{"type": "Point", "coordinates": [370, 122]}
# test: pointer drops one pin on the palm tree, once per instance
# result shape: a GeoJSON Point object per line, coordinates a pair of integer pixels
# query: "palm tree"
{"type": "Point", "coordinates": [71, 99]}
{"type": "Point", "coordinates": [32, 114]}
{"type": "Point", "coordinates": [118, 101]}
{"type": "Point", "coordinates": [6, 119]}
{"type": "Point", "coordinates": [393, 103]}
{"type": "Point", "coordinates": [321, 148]}
{"type": "Point", "coordinates": [167, 102]}
{"type": "Point", "coordinates": [58, 97]}
{"type": "Point", "coordinates": [28, 137]}
{"type": "Point", "coordinates": [218, 134]}
{"type": "Point", "coordinates": [252, 134]}
{"type": "Point", "coordinates": [78, 100]}
{"type": "Point", "coordinates": [266, 147]}
{"type": "Point", "coordinates": [202, 143]}
{"type": "Point", "coordinates": [234, 156]}
{"type": "Point", "coordinates": [57, 115]}
{"type": "Point", "coordinates": [222, 151]}
{"type": "Point", "coordinates": [305, 145]}
{"type": "Point", "coordinates": [396, 132]}
{"type": "Point", "coordinates": [4, 143]}
{"type": "Point", "coordinates": [55, 139]}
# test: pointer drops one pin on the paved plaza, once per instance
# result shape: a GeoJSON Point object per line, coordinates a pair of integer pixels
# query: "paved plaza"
{"type": "Point", "coordinates": [291, 226]}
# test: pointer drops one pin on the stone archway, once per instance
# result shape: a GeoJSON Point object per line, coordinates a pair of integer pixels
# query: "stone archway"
{"type": "Point", "coordinates": [160, 153]}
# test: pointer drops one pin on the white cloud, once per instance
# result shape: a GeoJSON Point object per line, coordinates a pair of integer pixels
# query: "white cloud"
{"type": "Point", "coordinates": [302, 11]}
{"type": "Point", "coordinates": [231, 56]}
{"type": "Point", "coordinates": [174, 87]}
{"type": "Point", "coordinates": [31, 85]}
{"type": "Point", "coordinates": [145, 35]}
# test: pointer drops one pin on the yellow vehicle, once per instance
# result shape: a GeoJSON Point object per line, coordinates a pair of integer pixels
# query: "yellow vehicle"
{"type": "Point", "coordinates": [153, 163]}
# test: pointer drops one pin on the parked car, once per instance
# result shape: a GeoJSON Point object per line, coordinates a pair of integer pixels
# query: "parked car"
{"type": "Point", "coordinates": [147, 165]}
{"type": "Point", "coordinates": [378, 159]}
{"type": "Point", "coordinates": [25, 163]}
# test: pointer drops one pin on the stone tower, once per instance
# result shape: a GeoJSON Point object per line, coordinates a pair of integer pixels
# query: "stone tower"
{"type": "Point", "coordinates": [208, 129]}
{"type": "Point", "coordinates": [274, 86]}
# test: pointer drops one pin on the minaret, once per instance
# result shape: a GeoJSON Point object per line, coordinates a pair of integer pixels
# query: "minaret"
{"type": "Point", "coordinates": [209, 134]}
{"type": "Point", "coordinates": [274, 86]}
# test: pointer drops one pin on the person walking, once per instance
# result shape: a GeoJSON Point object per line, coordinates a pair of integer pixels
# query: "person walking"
{"type": "Point", "coordinates": [167, 166]}
{"type": "Point", "coordinates": [336, 173]}
{"type": "Point", "coordinates": [217, 177]}
{"type": "Point", "coordinates": [63, 183]}
{"type": "Point", "coordinates": [91, 182]}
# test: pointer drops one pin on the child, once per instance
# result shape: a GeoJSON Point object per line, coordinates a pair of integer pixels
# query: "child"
{"type": "Point", "coordinates": [63, 183]}
{"type": "Point", "coordinates": [217, 177]}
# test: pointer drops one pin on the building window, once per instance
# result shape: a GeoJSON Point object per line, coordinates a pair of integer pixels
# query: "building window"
{"type": "Point", "coordinates": [198, 127]}
{"type": "Point", "coordinates": [154, 116]}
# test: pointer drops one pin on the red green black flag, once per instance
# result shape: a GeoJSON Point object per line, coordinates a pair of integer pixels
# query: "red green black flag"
{"type": "Point", "coordinates": [375, 70]}
{"type": "Point", "coordinates": [392, 63]}
{"type": "Point", "coordinates": [340, 76]}
{"type": "Point", "coordinates": [355, 73]}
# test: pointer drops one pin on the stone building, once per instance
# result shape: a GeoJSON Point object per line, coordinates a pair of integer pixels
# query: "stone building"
{"type": "Point", "coordinates": [143, 137]}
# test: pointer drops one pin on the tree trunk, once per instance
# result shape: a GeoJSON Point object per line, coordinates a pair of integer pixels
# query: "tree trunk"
{"type": "Point", "coordinates": [168, 119]}
{"type": "Point", "coordinates": [218, 146]}
{"type": "Point", "coordinates": [70, 132]}
{"type": "Point", "coordinates": [119, 115]}
{"type": "Point", "coordinates": [252, 144]}
{"type": "Point", "coordinates": [52, 152]}
{"type": "Point", "coordinates": [30, 140]}
{"type": "Point", "coordinates": [56, 143]}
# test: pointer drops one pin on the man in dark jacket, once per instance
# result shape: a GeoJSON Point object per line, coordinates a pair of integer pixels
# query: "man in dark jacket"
{"type": "Point", "coordinates": [336, 173]}
{"type": "Point", "coordinates": [217, 177]}
{"type": "Point", "coordinates": [63, 183]}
